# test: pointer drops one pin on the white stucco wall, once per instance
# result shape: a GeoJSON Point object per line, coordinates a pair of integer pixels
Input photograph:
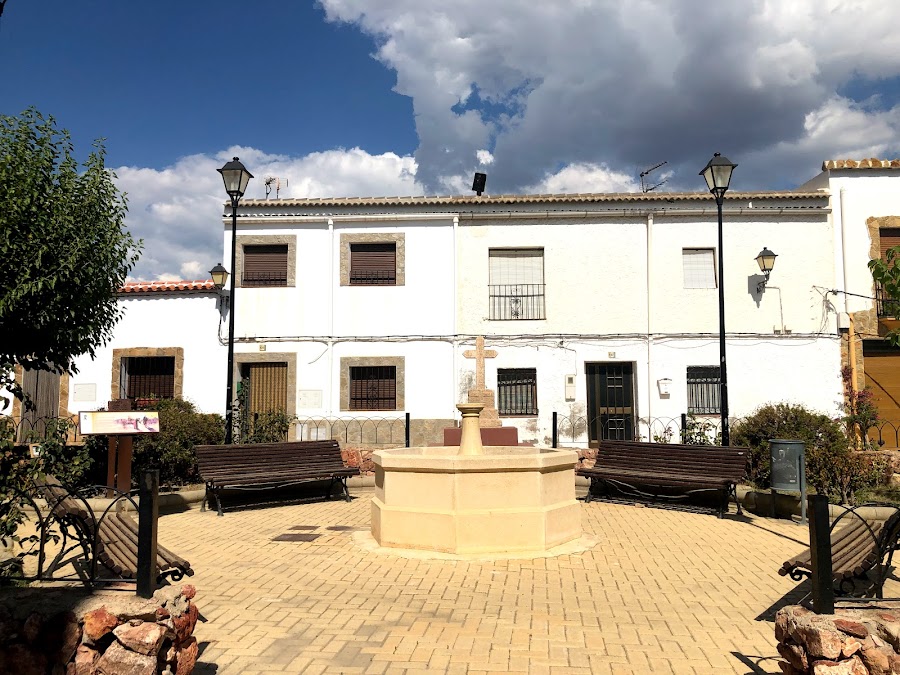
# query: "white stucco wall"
{"type": "Point", "coordinates": [162, 319]}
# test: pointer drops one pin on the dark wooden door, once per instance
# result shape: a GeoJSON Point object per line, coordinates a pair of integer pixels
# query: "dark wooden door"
{"type": "Point", "coordinates": [42, 388]}
{"type": "Point", "coordinates": [610, 398]}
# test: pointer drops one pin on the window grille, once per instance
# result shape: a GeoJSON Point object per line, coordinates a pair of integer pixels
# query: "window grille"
{"type": "Point", "coordinates": [517, 391]}
{"type": "Point", "coordinates": [148, 377]}
{"type": "Point", "coordinates": [516, 284]}
{"type": "Point", "coordinates": [265, 266]}
{"type": "Point", "coordinates": [373, 264]}
{"type": "Point", "coordinates": [373, 387]}
{"type": "Point", "coordinates": [699, 267]}
{"type": "Point", "coordinates": [704, 385]}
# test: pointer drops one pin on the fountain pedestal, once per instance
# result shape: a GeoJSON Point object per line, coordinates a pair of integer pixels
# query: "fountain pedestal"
{"type": "Point", "coordinates": [495, 499]}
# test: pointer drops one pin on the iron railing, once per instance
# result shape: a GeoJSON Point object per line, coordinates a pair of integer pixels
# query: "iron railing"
{"type": "Point", "coordinates": [260, 279]}
{"type": "Point", "coordinates": [584, 431]}
{"type": "Point", "coordinates": [516, 302]}
{"type": "Point", "coordinates": [886, 306]}
{"type": "Point", "coordinates": [373, 277]}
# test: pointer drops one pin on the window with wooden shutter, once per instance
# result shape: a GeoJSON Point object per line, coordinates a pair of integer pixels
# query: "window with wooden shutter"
{"type": "Point", "coordinates": [265, 265]}
{"type": "Point", "coordinates": [373, 388]}
{"type": "Point", "coordinates": [699, 267]}
{"type": "Point", "coordinates": [147, 377]}
{"type": "Point", "coordinates": [373, 264]}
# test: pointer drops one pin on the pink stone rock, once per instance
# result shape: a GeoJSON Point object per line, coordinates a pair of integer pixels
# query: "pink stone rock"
{"type": "Point", "coordinates": [188, 591]}
{"type": "Point", "coordinates": [852, 666]}
{"type": "Point", "coordinates": [184, 624]}
{"type": "Point", "coordinates": [143, 638]}
{"type": "Point", "coordinates": [850, 647]}
{"type": "Point", "coordinates": [820, 642]}
{"type": "Point", "coordinates": [794, 654]}
{"type": "Point", "coordinates": [86, 660]}
{"type": "Point", "coordinates": [162, 613]}
{"type": "Point", "coordinates": [878, 661]}
{"type": "Point", "coordinates": [854, 628]}
{"type": "Point", "coordinates": [186, 657]}
{"type": "Point", "coordinates": [32, 628]}
{"type": "Point", "coordinates": [890, 632]}
{"type": "Point", "coordinates": [119, 661]}
{"type": "Point", "coordinates": [98, 623]}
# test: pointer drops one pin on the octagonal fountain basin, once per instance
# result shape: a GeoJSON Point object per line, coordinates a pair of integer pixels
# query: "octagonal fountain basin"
{"type": "Point", "coordinates": [508, 499]}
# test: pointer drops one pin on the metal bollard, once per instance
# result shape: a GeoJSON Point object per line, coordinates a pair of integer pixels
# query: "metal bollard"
{"type": "Point", "coordinates": [555, 433]}
{"type": "Point", "coordinates": [407, 429]}
{"type": "Point", "coordinates": [148, 517]}
{"type": "Point", "coordinates": [820, 549]}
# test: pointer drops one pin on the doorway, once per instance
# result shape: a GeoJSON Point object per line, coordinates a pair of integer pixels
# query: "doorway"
{"type": "Point", "coordinates": [610, 400]}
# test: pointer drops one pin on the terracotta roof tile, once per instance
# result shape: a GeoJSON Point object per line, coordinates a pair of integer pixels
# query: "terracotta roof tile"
{"type": "Point", "coordinates": [167, 286]}
{"type": "Point", "coordinates": [488, 200]}
{"type": "Point", "coordinates": [871, 163]}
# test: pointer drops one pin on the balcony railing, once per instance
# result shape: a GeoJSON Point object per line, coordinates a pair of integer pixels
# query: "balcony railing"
{"type": "Point", "coordinates": [258, 279]}
{"type": "Point", "coordinates": [373, 277]}
{"type": "Point", "coordinates": [516, 302]}
{"type": "Point", "coordinates": [886, 306]}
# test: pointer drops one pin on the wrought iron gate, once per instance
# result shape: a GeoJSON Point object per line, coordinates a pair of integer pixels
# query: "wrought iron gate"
{"type": "Point", "coordinates": [610, 398]}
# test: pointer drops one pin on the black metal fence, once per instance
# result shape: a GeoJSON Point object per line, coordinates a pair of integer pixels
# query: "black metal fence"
{"type": "Point", "coordinates": [356, 430]}
{"type": "Point", "coordinates": [583, 430]}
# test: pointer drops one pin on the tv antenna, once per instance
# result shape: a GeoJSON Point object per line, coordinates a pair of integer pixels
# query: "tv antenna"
{"type": "Point", "coordinates": [645, 187]}
{"type": "Point", "coordinates": [277, 181]}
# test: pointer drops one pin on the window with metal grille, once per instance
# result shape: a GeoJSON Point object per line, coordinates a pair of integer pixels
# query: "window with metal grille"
{"type": "Point", "coordinates": [517, 391]}
{"type": "Point", "coordinates": [373, 264]}
{"type": "Point", "coordinates": [889, 237]}
{"type": "Point", "coordinates": [373, 388]}
{"type": "Point", "coordinates": [265, 265]}
{"type": "Point", "coordinates": [704, 390]}
{"type": "Point", "coordinates": [516, 284]}
{"type": "Point", "coordinates": [147, 377]}
{"type": "Point", "coordinates": [699, 267]}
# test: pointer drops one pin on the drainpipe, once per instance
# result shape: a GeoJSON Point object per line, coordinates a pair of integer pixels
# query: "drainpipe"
{"type": "Point", "coordinates": [455, 343]}
{"type": "Point", "coordinates": [851, 332]}
{"type": "Point", "coordinates": [331, 284]}
{"type": "Point", "coordinates": [649, 327]}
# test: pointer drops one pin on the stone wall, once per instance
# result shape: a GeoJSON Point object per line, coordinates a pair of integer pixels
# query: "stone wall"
{"type": "Point", "coordinates": [71, 631]}
{"type": "Point", "coordinates": [858, 639]}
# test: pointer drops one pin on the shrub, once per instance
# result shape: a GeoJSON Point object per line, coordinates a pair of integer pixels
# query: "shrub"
{"type": "Point", "coordinates": [181, 427]}
{"type": "Point", "coordinates": [270, 426]}
{"type": "Point", "coordinates": [832, 467]}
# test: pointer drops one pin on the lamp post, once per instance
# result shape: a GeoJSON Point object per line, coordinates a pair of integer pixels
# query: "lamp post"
{"type": "Point", "coordinates": [766, 262]}
{"type": "Point", "coordinates": [717, 173]}
{"type": "Point", "coordinates": [236, 178]}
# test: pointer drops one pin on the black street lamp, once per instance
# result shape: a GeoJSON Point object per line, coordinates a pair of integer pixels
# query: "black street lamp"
{"type": "Point", "coordinates": [236, 178]}
{"type": "Point", "coordinates": [717, 173]}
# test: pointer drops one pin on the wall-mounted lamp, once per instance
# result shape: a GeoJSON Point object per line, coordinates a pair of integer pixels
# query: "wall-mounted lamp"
{"type": "Point", "coordinates": [219, 276]}
{"type": "Point", "coordinates": [766, 261]}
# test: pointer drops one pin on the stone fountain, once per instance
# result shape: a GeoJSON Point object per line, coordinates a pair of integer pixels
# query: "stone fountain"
{"type": "Point", "coordinates": [473, 499]}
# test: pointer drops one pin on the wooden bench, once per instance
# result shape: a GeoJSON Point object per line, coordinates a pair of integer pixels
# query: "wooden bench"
{"type": "Point", "coordinates": [270, 466]}
{"type": "Point", "coordinates": [110, 538]}
{"type": "Point", "coordinates": [861, 554]}
{"type": "Point", "coordinates": [667, 471]}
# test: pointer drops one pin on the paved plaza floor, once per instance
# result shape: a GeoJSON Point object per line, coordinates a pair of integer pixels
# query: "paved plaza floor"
{"type": "Point", "coordinates": [661, 592]}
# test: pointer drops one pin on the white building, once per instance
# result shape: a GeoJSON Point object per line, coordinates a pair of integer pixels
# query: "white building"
{"type": "Point", "coordinates": [602, 308]}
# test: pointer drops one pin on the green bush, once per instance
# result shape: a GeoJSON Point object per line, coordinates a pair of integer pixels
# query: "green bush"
{"type": "Point", "coordinates": [181, 427]}
{"type": "Point", "coordinates": [832, 467]}
{"type": "Point", "coordinates": [270, 426]}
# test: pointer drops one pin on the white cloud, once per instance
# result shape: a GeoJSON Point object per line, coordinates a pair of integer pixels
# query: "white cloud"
{"type": "Point", "coordinates": [627, 84]}
{"type": "Point", "coordinates": [584, 178]}
{"type": "Point", "coordinates": [177, 211]}
{"type": "Point", "coordinates": [484, 157]}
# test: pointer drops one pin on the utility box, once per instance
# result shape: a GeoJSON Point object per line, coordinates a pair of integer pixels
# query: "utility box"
{"type": "Point", "coordinates": [789, 469]}
{"type": "Point", "coordinates": [570, 387]}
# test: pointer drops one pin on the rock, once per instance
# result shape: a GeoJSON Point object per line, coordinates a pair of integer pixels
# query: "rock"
{"type": "Point", "coordinates": [86, 660]}
{"type": "Point", "coordinates": [98, 623]}
{"type": "Point", "coordinates": [852, 666]}
{"type": "Point", "coordinates": [186, 657]}
{"type": "Point", "coordinates": [890, 632]}
{"type": "Point", "coordinates": [878, 661]}
{"type": "Point", "coordinates": [788, 669]}
{"type": "Point", "coordinates": [177, 606]}
{"type": "Point", "coordinates": [32, 628]}
{"type": "Point", "coordinates": [20, 659]}
{"type": "Point", "coordinates": [143, 638]}
{"type": "Point", "coordinates": [820, 642]}
{"type": "Point", "coordinates": [188, 591]}
{"type": "Point", "coordinates": [781, 625]}
{"type": "Point", "coordinates": [119, 661]}
{"type": "Point", "coordinates": [62, 633]}
{"type": "Point", "coordinates": [850, 647]}
{"type": "Point", "coordinates": [795, 655]}
{"type": "Point", "coordinates": [184, 624]}
{"type": "Point", "coordinates": [854, 628]}
{"type": "Point", "coordinates": [162, 613]}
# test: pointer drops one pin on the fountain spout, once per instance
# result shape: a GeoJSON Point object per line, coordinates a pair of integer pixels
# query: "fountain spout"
{"type": "Point", "coordinates": [470, 437]}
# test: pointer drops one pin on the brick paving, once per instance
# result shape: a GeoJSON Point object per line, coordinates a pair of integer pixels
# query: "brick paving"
{"type": "Point", "coordinates": [662, 592]}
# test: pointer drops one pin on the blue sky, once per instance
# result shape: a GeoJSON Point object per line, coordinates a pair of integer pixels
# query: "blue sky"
{"type": "Point", "coordinates": [358, 98]}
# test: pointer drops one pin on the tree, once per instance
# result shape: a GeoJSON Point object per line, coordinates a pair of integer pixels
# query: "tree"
{"type": "Point", "coordinates": [64, 248]}
{"type": "Point", "coordinates": [886, 274]}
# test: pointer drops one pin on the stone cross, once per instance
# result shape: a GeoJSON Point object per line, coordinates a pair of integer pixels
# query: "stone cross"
{"type": "Point", "coordinates": [479, 354]}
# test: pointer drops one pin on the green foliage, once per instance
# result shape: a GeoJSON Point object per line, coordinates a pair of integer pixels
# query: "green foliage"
{"type": "Point", "coordinates": [63, 226]}
{"type": "Point", "coordinates": [700, 432]}
{"type": "Point", "coordinates": [271, 426]}
{"type": "Point", "coordinates": [832, 467]}
{"type": "Point", "coordinates": [860, 413]}
{"type": "Point", "coordinates": [181, 427]}
{"type": "Point", "coordinates": [886, 275]}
